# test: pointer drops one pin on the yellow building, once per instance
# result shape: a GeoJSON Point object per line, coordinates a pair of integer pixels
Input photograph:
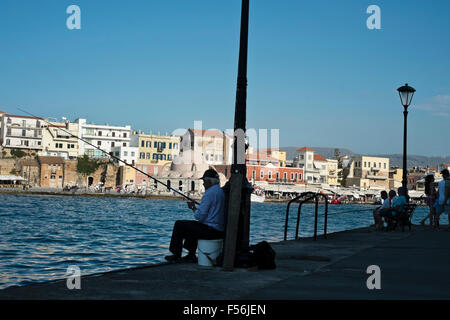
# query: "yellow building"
{"type": "Point", "coordinates": [155, 149]}
{"type": "Point", "coordinates": [58, 140]}
{"type": "Point", "coordinates": [278, 154]}
{"type": "Point", "coordinates": [368, 172]}
{"type": "Point", "coordinates": [395, 178]}
{"type": "Point", "coordinates": [333, 172]}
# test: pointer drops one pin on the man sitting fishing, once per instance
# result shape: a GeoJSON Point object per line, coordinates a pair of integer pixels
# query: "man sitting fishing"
{"type": "Point", "coordinates": [209, 224]}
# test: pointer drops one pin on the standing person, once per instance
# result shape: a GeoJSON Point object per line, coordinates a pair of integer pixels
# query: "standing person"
{"type": "Point", "coordinates": [443, 202]}
{"type": "Point", "coordinates": [430, 192]}
{"type": "Point", "coordinates": [376, 213]}
{"type": "Point", "coordinates": [209, 224]}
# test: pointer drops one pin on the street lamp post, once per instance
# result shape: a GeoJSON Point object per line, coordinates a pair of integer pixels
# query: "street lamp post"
{"type": "Point", "coordinates": [406, 94]}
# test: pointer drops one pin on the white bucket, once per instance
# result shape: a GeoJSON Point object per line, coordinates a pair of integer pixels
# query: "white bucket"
{"type": "Point", "coordinates": [208, 250]}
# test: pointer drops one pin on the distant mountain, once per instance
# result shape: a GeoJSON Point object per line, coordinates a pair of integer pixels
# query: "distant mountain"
{"type": "Point", "coordinates": [395, 160]}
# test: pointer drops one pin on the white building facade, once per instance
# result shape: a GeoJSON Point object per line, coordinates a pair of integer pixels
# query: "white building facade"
{"type": "Point", "coordinates": [22, 132]}
{"type": "Point", "coordinates": [104, 137]}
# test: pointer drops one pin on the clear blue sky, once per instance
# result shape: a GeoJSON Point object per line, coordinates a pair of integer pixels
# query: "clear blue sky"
{"type": "Point", "coordinates": [315, 71]}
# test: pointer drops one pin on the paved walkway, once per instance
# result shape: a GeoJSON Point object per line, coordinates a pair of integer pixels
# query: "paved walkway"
{"type": "Point", "coordinates": [414, 265]}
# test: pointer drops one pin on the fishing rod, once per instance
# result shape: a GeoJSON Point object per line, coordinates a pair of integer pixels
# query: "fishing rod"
{"type": "Point", "coordinates": [114, 157]}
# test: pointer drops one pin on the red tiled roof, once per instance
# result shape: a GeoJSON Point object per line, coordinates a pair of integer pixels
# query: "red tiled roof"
{"type": "Point", "coordinates": [318, 157]}
{"type": "Point", "coordinates": [51, 160]}
{"type": "Point", "coordinates": [305, 149]}
{"type": "Point", "coordinates": [2, 112]}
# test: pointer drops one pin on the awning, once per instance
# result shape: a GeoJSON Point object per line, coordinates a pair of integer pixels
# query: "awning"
{"type": "Point", "coordinates": [9, 177]}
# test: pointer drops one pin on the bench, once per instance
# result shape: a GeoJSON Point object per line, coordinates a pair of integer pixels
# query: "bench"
{"type": "Point", "coordinates": [403, 219]}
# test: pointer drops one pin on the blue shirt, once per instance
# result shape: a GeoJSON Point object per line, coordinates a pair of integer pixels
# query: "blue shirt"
{"type": "Point", "coordinates": [399, 201]}
{"type": "Point", "coordinates": [211, 208]}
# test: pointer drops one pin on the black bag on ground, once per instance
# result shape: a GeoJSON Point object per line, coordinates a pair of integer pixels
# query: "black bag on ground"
{"type": "Point", "coordinates": [263, 256]}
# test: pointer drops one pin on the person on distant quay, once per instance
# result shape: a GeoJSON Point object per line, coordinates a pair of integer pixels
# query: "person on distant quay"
{"type": "Point", "coordinates": [443, 199]}
{"type": "Point", "coordinates": [430, 192]}
{"type": "Point", "coordinates": [209, 223]}
{"type": "Point", "coordinates": [385, 205]}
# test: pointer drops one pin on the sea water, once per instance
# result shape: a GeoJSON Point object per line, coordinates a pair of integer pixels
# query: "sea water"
{"type": "Point", "coordinates": [41, 236]}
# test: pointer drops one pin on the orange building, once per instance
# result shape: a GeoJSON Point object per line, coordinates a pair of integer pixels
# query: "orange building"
{"type": "Point", "coordinates": [52, 172]}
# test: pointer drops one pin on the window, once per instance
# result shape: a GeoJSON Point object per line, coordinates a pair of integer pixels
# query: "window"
{"type": "Point", "coordinates": [254, 175]}
{"type": "Point", "coordinates": [302, 157]}
{"type": "Point", "coordinates": [292, 176]}
{"type": "Point", "coordinates": [124, 134]}
{"type": "Point", "coordinates": [155, 144]}
{"type": "Point", "coordinates": [142, 155]}
{"type": "Point", "coordinates": [113, 144]}
{"type": "Point", "coordinates": [125, 153]}
{"type": "Point", "coordinates": [368, 164]}
{"type": "Point", "coordinates": [379, 165]}
{"type": "Point", "coordinates": [365, 164]}
{"type": "Point", "coordinates": [24, 123]}
{"type": "Point", "coordinates": [154, 156]}
{"type": "Point", "coordinates": [113, 134]}
{"type": "Point", "coordinates": [99, 133]}
{"type": "Point", "coordinates": [270, 174]}
{"type": "Point", "coordinates": [8, 132]}
{"type": "Point", "coordinates": [148, 144]}
{"type": "Point", "coordinates": [175, 145]}
{"type": "Point", "coordinates": [262, 174]}
{"type": "Point", "coordinates": [99, 143]}
{"type": "Point", "coordinates": [142, 143]}
{"type": "Point", "coordinates": [8, 142]}
{"type": "Point", "coordinates": [278, 176]}
{"type": "Point", "coordinates": [24, 133]}
{"type": "Point", "coordinates": [374, 164]}
{"type": "Point", "coordinates": [285, 176]}
{"type": "Point", "coordinates": [170, 145]}
{"type": "Point", "coordinates": [132, 153]}
{"type": "Point", "coordinates": [148, 156]}
{"type": "Point", "coordinates": [385, 165]}
{"type": "Point", "coordinates": [124, 144]}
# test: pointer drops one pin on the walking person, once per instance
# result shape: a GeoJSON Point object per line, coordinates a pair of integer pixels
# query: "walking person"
{"type": "Point", "coordinates": [430, 192]}
{"type": "Point", "coordinates": [443, 200]}
{"type": "Point", "coordinates": [209, 223]}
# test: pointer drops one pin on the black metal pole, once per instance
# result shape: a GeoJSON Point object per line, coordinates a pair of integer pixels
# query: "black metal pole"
{"type": "Point", "coordinates": [238, 221]}
{"type": "Point", "coordinates": [404, 178]}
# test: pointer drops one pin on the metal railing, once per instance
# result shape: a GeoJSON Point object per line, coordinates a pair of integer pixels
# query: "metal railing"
{"type": "Point", "coordinates": [307, 196]}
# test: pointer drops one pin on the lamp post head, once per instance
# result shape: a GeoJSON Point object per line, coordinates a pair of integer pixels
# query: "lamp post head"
{"type": "Point", "coordinates": [406, 94]}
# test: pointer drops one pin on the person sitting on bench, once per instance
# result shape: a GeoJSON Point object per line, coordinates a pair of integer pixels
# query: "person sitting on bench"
{"type": "Point", "coordinates": [398, 203]}
{"type": "Point", "coordinates": [210, 216]}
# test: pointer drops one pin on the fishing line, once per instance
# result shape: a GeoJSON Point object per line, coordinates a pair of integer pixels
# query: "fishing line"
{"type": "Point", "coordinates": [112, 156]}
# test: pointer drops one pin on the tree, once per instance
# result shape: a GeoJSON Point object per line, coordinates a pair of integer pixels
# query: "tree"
{"type": "Point", "coordinates": [87, 166]}
{"type": "Point", "coordinates": [16, 153]}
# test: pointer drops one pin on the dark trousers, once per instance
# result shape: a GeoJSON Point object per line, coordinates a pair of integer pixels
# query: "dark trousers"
{"type": "Point", "coordinates": [190, 231]}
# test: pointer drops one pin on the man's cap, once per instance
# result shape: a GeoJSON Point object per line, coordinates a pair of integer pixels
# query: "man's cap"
{"type": "Point", "coordinates": [210, 173]}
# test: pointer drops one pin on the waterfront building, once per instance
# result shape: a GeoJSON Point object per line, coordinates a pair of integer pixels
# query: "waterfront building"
{"type": "Point", "coordinates": [155, 149]}
{"type": "Point", "coordinates": [263, 168]}
{"type": "Point", "coordinates": [51, 172]}
{"type": "Point", "coordinates": [413, 178]}
{"type": "Point", "coordinates": [127, 154]}
{"type": "Point", "coordinates": [212, 147]}
{"type": "Point", "coordinates": [104, 137]}
{"type": "Point", "coordinates": [21, 132]}
{"type": "Point", "coordinates": [58, 139]}
{"type": "Point", "coordinates": [314, 165]}
{"type": "Point", "coordinates": [278, 154]}
{"type": "Point", "coordinates": [332, 166]}
{"type": "Point", "coordinates": [395, 178]}
{"type": "Point", "coordinates": [1, 116]}
{"type": "Point", "coordinates": [368, 172]}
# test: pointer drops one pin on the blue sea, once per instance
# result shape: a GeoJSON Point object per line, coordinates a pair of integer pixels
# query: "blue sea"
{"type": "Point", "coordinates": [41, 236]}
